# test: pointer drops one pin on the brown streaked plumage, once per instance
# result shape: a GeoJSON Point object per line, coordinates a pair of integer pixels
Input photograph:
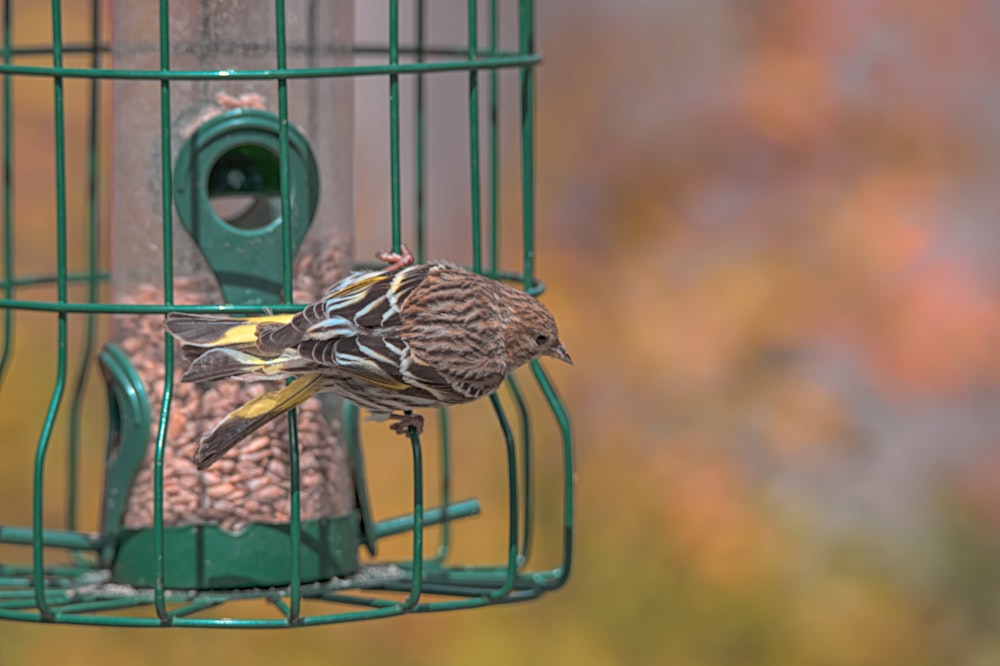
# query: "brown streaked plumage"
{"type": "Point", "coordinates": [403, 338]}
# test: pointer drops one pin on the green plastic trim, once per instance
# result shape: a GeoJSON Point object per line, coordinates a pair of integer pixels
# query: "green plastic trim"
{"type": "Point", "coordinates": [206, 557]}
{"type": "Point", "coordinates": [236, 153]}
{"type": "Point", "coordinates": [128, 437]}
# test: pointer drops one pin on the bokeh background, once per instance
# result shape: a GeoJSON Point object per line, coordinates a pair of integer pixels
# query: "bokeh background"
{"type": "Point", "coordinates": [769, 232]}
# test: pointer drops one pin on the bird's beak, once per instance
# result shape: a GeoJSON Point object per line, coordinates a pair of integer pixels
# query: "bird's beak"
{"type": "Point", "coordinates": [560, 353]}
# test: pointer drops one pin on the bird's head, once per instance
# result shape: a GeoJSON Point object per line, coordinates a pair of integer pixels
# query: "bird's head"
{"type": "Point", "coordinates": [532, 332]}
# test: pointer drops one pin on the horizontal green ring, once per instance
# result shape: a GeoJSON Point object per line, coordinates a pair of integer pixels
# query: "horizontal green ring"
{"type": "Point", "coordinates": [269, 74]}
{"type": "Point", "coordinates": [537, 288]}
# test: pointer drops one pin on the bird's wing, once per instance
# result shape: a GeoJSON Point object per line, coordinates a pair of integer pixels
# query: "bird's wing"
{"type": "Point", "coordinates": [384, 362]}
{"type": "Point", "coordinates": [359, 302]}
{"type": "Point", "coordinates": [252, 415]}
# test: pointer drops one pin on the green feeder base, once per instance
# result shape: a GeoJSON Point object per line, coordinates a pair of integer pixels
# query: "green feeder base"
{"type": "Point", "coordinates": [206, 557]}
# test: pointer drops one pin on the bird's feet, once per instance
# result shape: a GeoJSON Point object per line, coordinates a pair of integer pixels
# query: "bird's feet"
{"type": "Point", "coordinates": [402, 422]}
{"type": "Point", "coordinates": [395, 261]}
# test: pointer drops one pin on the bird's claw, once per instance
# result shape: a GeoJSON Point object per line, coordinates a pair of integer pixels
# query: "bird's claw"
{"type": "Point", "coordinates": [402, 422]}
{"type": "Point", "coordinates": [396, 261]}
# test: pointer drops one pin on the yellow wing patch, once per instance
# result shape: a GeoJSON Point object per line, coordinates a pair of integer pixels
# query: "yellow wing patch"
{"type": "Point", "coordinates": [244, 331]}
{"type": "Point", "coordinates": [356, 286]}
{"type": "Point", "coordinates": [282, 400]}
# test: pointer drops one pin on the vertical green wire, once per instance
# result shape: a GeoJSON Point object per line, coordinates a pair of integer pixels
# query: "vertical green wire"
{"type": "Point", "coordinates": [494, 219]}
{"type": "Point", "coordinates": [528, 508]}
{"type": "Point", "coordinates": [397, 236]}
{"type": "Point", "coordinates": [416, 586]}
{"type": "Point", "coordinates": [38, 558]}
{"type": "Point", "coordinates": [477, 240]}
{"type": "Point", "coordinates": [8, 195]}
{"type": "Point", "coordinates": [295, 527]}
{"type": "Point", "coordinates": [512, 502]}
{"type": "Point", "coordinates": [420, 139]}
{"type": "Point", "coordinates": [562, 418]}
{"type": "Point", "coordinates": [87, 350]}
{"type": "Point", "coordinates": [526, 39]}
{"type": "Point", "coordinates": [420, 187]}
{"type": "Point", "coordinates": [445, 426]}
{"type": "Point", "coordinates": [159, 584]}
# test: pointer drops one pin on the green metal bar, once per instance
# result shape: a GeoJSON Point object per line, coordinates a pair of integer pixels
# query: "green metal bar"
{"type": "Point", "coordinates": [362, 49]}
{"type": "Point", "coordinates": [474, 185]}
{"type": "Point", "coordinates": [65, 571]}
{"type": "Point", "coordinates": [370, 602]}
{"type": "Point", "coordinates": [198, 605]}
{"type": "Point", "coordinates": [562, 418]}
{"type": "Point", "coordinates": [282, 607]}
{"type": "Point", "coordinates": [43, 280]}
{"type": "Point", "coordinates": [159, 583]}
{"type": "Point", "coordinates": [512, 501]}
{"type": "Point", "coordinates": [11, 581]}
{"type": "Point", "coordinates": [39, 280]}
{"type": "Point", "coordinates": [8, 193]}
{"type": "Point", "coordinates": [439, 606]}
{"type": "Point", "coordinates": [38, 557]}
{"type": "Point", "coordinates": [23, 603]}
{"type": "Point", "coordinates": [444, 424]}
{"type": "Point", "coordinates": [295, 524]}
{"type": "Point", "coordinates": [494, 110]}
{"type": "Point", "coordinates": [271, 74]}
{"type": "Point", "coordinates": [51, 538]}
{"type": "Point", "coordinates": [526, 464]}
{"type": "Point", "coordinates": [416, 587]}
{"type": "Point", "coordinates": [98, 605]}
{"type": "Point", "coordinates": [87, 348]}
{"type": "Point", "coordinates": [441, 514]}
{"type": "Point", "coordinates": [526, 38]}
{"type": "Point", "coordinates": [451, 589]}
{"type": "Point", "coordinates": [69, 48]}
{"type": "Point", "coordinates": [420, 139]}
{"type": "Point", "coordinates": [397, 236]}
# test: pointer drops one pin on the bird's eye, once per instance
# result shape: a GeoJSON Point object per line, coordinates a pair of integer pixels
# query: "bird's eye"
{"type": "Point", "coordinates": [541, 340]}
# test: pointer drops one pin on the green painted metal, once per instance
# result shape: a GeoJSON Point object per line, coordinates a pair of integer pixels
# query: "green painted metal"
{"type": "Point", "coordinates": [304, 560]}
{"type": "Point", "coordinates": [239, 154]}
{"type": "Point", "coordinates": [159, 539]}
{"type": "Point", "coordinates": [474, 167]}
{"type": "Point", "coordinates": [443, 514]}
{"type": "Point", "coordinates": [420, 137]}
{"type": "Point", "coordinates": [295, 542]}
{"type": "Point", "coordinates": [394, 177]}
{"type": "Point", "coordinates": [128, 437]}
{"type": "Point", "coordinates": [366, 524]}
{"type": "Point", "coordinates": [8, 188]}
{"type": "Point", "coordinates": [206, 557]}
{"type": "Point", "coordinates": [90, 326]}
{"type": "Point", "coordinates": [526, 477]}
{"type": "Point", "coordinates": [444, 447]}
{"type": "Point", "coordinates": [507, 60]}
{"type": "Point", "coordinates": [44, 440]}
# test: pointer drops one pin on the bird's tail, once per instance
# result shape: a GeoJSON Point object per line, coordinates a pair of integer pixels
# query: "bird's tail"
{"type": "Point", "coordinates": [206, 331]}
{"type": "Point", "coordinates": [243, 421]}
{"type": "Point", "coordinates": [221, 347]}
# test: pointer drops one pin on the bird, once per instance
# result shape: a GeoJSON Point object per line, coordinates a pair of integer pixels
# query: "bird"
{"type": "Point", "coordinates": [409, 336]}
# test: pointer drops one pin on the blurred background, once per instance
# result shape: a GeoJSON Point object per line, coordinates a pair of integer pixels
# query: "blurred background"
{"type": "Point", "coordinates": [769, 234]}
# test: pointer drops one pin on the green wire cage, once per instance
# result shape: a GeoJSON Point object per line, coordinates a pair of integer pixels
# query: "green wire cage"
{"type": "Point", "coordinates": [230, 157]}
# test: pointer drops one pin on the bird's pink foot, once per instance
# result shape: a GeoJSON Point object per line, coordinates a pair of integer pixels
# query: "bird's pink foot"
{"type": "Point", "coordinates": [402, 422]}
{"type": "Point", "coordinates": [395, 261]}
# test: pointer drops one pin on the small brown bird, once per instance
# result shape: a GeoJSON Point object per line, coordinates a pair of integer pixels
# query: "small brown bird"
{"type": "Point", "coordinates": [402, 338]}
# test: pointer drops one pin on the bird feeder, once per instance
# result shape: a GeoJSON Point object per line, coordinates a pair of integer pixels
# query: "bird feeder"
{"type": "Point", "coordinates": [231, 190]}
